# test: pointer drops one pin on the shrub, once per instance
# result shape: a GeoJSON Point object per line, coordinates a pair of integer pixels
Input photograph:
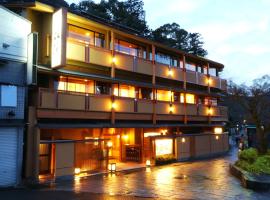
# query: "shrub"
{"type": "Point", "coordinates": [249, 155]}
{"type": "Point", "coordinates": [165, 159]}
{"type": "Point", "coordinates": [261, 165]}
{"type": "Point", "coordinates": [242, 164]}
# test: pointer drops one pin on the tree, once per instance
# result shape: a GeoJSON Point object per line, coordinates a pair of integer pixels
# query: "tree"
{"type": "Point", "coordinates": [255, 100]}
{"type": "Point", "coordinates": [174, 36]}
{"type": "Point", "coordinates": [195, 45]}
{"type": "Point", "coordinates": [129, 13]}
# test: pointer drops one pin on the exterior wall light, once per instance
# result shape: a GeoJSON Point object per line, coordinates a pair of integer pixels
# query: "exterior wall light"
{"type": "Point", "coordinates": [183, 140]}
{"type": "Point", "coordinates": [171, 109]}
{"type": "Point", "coordinates": [210, 111]}
{"type": "Point", "coordinates": [114, 60]}
{"type": "Point", "coordinates": [218, 130]}
{"type": "Point", "coordinates": [148, 163]}
{"type": "Point", "coordinates": [217, 137]}
{"type": "Point", "coordinates": [77, 170]}
{"type": "Point", "coordinates": [113, 105]}
{"type": "Point", "coordinates": [170, 72]}
{"type": "Point", "coordinates": [112, 167]}
{"type": "Point", "coordinates": [209, 81]}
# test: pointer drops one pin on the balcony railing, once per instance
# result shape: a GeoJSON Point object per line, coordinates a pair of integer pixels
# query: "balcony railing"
{"type": "Point", "coordinates": [61, 100]}
{"type": "Point", "coordinates": [103, 57]}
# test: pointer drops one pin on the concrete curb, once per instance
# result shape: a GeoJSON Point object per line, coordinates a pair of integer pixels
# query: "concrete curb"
{"type": "Point", "coordinates": [250, 180]}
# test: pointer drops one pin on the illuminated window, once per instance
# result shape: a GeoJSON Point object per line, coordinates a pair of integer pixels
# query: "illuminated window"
{"type": "Point", "coordinates": [86, 36]}
{"type": "Point", "coordinates": [164, 147]}
{"type": "Point", "coordinates": [124, 91]}
{"type": "Point", "coordinates": [75, 85]}
{"type": "Point", "coordinates": [164, 95]}
{"type": "Point", "coordinates": [129, 48]}
{"type": "Point", "coordinates": [182, 98]}
{"type": "Point", "coordinates": [190, 98]}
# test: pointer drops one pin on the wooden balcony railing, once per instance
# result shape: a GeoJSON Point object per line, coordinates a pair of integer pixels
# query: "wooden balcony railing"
{"type": "Point", "coordinates": [103, 57]}
{"type": "Point", "coordinates": [61, 100]}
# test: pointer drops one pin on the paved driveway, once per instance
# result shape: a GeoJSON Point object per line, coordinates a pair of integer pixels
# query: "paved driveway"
{"type": "Point", "coordinates": [207, 179]}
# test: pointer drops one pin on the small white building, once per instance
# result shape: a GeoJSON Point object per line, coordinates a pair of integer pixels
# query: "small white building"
{"type": "Point", "coordinates": [14, 31]}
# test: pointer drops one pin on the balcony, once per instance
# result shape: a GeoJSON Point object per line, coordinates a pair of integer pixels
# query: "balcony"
{"type": "Point", "coordinates": [51, 100]}
{"type": "Point", "coordinates": [103, 57]}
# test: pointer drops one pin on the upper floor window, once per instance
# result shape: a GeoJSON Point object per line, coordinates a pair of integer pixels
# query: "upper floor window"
{"type": "Point", "coordinates": [74, 85]}
{"type": "Point", "coordinates": [213, 71]}
{"type": "Point", "coordinates": [164, 95]}
{"type": "Point", "coordinates": [124, 91]}
{"type": "Point", "coordinates": [166, 59]}
{"type": "Point", "coordinates": [146, 93]}
{"type": "Point", "coordinates": [210, 101]}
{"type": "Point", "coordinates": [86, 36]}
{"type": "Point", "coordinates": [191, 67]}
{"type": "Point", "coordinates": [103, 88]}
{"type": "Point", "coordinates": [129, 48]}
{"type": "Point", "coordinates": [8, 96]}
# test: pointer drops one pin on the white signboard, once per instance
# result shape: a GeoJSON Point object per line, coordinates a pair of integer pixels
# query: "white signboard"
{"type": "Point", "coordinates": [59, 24]}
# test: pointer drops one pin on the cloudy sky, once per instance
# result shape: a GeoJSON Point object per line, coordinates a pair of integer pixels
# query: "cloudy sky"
{"type": "Point", "coordinates": [236, 32]}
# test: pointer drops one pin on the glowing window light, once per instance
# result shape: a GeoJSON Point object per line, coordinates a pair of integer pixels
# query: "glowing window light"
{"type": "Point", "coordinates": [183, 140]}
{"type": "Point", "coordinates": [218, 130]}
{"type": "Point", "coordinates": [190, 98]}
{"type": "Point", "coordinates": [150, 134]}
{"type": "Point", "coordinates": [164, 147]}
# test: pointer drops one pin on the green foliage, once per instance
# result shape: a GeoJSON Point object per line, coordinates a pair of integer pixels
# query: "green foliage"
{"type": "Point", "coordinates": [250, 161]}
{"type": "Point", "coordinates": [249, 155]}
{"type": "Point", "coordinates": [165, 159]}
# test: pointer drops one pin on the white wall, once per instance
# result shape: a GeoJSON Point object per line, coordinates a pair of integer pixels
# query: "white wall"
{"type": "Point", "coordinates": [14, 30]}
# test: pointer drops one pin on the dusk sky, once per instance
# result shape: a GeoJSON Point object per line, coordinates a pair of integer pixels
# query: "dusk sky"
{"type": "Point", "coordinates": [236, 33]}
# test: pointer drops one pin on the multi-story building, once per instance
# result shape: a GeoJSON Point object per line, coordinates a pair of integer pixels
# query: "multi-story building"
{"type": "Point", "coordinates": [13, 57]}
{"type": "Point", "coordinates": [105, 95]}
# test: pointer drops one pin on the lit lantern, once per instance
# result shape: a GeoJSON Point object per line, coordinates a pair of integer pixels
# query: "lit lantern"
{"type": "Point", "coordinates": [218, 130]}
{"type": "Point", "coordinates": [183, 140]}
{"type": "Point", "coordinates": [217, 137]}
{"type": "Point", "coordinates": [77, 170]}
{"type": "Point", "coordinates": [148, 163]}
{"type": "Point", "coordinates": [109, 144]}
{"type": "Point", "coordinates": [112, 167]}
{"type": "Point", "coordinates": [125, 137]}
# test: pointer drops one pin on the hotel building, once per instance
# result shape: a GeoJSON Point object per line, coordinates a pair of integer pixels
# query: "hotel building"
{"type": "Point", "coordinates": [101, 94]}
